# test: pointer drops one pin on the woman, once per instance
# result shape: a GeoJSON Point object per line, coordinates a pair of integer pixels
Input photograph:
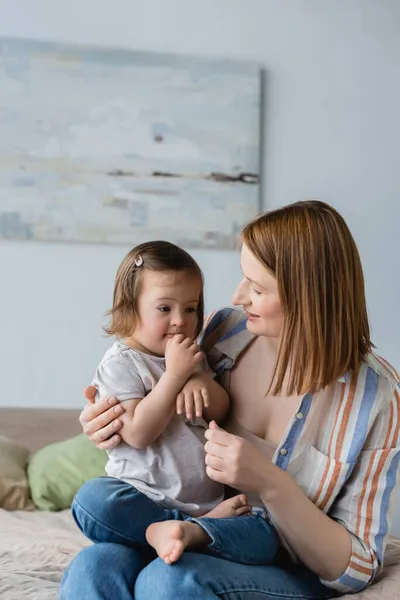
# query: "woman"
{"type": "Point", "coordinates": [313, 428]}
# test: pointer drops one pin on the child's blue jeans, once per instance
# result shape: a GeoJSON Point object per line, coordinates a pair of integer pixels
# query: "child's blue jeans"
{"type": "Point", "coordinates": [112, 511]}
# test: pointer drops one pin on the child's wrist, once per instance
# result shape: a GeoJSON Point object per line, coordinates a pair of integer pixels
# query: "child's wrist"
{"type": "Point", "coordinates": [175, 379]}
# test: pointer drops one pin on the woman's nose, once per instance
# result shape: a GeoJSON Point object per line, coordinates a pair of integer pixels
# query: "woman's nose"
{"type": "Point", "coordinates": [239, 294]}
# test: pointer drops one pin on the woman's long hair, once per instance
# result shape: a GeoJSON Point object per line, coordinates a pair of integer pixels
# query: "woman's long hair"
{"type": "Point", "coordinates": [308, 247]}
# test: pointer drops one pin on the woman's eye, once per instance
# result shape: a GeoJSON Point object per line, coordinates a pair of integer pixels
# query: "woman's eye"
{"type": "Point", "coordinates": [191, 310]}
{"type": "Point", "coordinates": [163, 308]}
{"type": "Point", "coordinates": [256, 292]}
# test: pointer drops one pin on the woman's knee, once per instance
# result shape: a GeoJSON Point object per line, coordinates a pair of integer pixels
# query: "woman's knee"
{"type": "Point", "coordinates": [109, 568]}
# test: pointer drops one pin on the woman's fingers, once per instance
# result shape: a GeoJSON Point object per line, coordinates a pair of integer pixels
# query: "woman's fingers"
{"type": "Point", "coordinates": [219, 436]}
{"type": "Point", "coordinates": [91, 411]}
{"type": "Point", "coordinates": [216, 450]}
{"type": "Point", "coordinates": [216, 475]}
{"type": "Point", "coordinates": [104, 434]}
{"type": "Point", "coordinates": [91, 424]}
{"type": "Point", "coordinates": [110, 443]}
{"type": "Point", "coordinates": [215, 462]}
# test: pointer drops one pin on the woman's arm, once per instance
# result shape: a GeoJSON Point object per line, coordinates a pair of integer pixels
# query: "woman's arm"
{"type": "Point", "coordinates": [322, 544]}
{"type": "Point", "coordinates": [236, 462]}
{"type": "Point", "coordinates": [345, 548]}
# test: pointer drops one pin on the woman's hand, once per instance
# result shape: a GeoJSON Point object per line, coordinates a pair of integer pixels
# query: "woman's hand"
{"type": "Point", "coordinates": [100, 421]}
{"type": "Point", "coordinates": [236, 462]}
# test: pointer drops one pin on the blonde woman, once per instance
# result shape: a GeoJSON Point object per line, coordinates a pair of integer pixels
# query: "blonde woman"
{"type": "Point", "coordinates": [313, 428]}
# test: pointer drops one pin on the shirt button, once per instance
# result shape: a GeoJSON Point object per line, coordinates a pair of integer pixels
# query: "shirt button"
{"type": "Point", "coordinates": [283, 451]}
{"type": "Point", "coordinates": [299, 415]}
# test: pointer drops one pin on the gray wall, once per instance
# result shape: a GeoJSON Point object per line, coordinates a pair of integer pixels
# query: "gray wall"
{"type": "Point", "coordinates": [332, 131]}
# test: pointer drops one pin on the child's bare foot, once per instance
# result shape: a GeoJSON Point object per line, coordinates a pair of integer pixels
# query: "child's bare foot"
{"type": "Point", "coordinates": [170, 538]}
{"type": "Point", "coordinates": [233, 507]}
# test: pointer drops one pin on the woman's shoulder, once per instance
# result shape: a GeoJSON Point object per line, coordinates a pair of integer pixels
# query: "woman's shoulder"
{"type": "Point", "coordinates": [222, 324]}
{"type": "Point", "coordinates": [225, 335]}
{"type": "Point", "coordinates": [383, 371]}
{"type": "Point", "coordinates": [375, 389]}
{"type": "Point", "coordinates": [227, 316]}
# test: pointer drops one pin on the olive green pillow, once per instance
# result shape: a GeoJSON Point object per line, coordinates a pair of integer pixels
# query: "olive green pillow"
{"type": "Point", "coordinates": [56, 472]}
{"type": "Point", "coordinates": [14, 487]}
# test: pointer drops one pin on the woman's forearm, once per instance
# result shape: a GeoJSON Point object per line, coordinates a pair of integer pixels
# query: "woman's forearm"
{"type": "Point", "coordinates": [321, 543]}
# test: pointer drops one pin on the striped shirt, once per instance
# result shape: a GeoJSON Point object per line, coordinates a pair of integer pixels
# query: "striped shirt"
{"type": "Point", "coordinates": [342, 446]}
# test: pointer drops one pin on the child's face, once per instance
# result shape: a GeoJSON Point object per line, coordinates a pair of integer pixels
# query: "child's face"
{"type": "Point", "coordinates": [168, 304]}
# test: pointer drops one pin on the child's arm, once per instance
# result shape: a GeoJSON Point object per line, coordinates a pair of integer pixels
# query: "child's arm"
{"type": "Point", "coordinates": [145, 418]}
{"type": "Point", "coordinates": [203, 396]}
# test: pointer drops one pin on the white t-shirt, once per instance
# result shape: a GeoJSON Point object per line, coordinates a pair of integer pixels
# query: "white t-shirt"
{"type": "Point", "coordinates": [171, 470]}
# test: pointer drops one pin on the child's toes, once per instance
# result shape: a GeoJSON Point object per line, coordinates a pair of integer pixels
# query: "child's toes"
{"type": "Point", "coordinates": [243, 510]}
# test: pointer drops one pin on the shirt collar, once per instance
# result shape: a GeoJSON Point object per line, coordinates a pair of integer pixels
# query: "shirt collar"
{"type": "Point", "coordinates": [238, 337]}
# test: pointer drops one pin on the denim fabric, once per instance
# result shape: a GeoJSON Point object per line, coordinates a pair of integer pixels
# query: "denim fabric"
{"type": "Point", "coordinates": [109, 571]}
{"type": "Point", "coordinates": [122, 565]}
{"type": "Point", "coordinates": [108, 510]}
{"type": "Point", "coordinates": [249, 540]}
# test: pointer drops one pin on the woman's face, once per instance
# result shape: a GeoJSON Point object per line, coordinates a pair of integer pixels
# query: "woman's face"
{"type": "Point", "coordinates": [258, 294]}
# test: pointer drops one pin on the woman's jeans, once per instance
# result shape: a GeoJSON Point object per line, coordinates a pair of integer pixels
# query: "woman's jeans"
{"type": "Point", "coordinates": [112, 511]}
{"type": "Point", "coordinates": [125, 567]}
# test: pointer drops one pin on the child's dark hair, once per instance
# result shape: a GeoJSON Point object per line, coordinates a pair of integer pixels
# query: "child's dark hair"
{"type": "Point", "coordinates": [155, 256]}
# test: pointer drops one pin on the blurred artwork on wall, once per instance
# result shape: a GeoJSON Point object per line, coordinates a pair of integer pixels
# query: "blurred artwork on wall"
{"type": "Point", "coordinates": [118, 147]}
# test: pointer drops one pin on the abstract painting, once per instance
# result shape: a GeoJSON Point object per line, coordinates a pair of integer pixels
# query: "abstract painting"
{"type": "Point", "coordinates": [118, 147]}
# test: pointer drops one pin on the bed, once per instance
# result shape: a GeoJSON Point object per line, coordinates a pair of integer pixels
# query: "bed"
{"type": "Point", "coordinates": [36, 546]}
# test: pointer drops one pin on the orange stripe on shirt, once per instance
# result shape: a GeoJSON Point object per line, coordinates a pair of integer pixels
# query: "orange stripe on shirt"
{"type": "Point", "coordinates": [360, 569]}
{"type": "Point", "coordinates": [374, 489]}
{"type": "Point", "coordinates": [362, 558]}
{"type": "Point", "coordinates": [380, 467]}
{"type": "Point", "coordinates": [363, 492]}
{"type": "Point", "coordinates": [387, 446]}
{"type": "Point", "coordinates": [334, 478]}
{"type": "Point", "coordinates": [325, 474]}
{"type": "Point", "coordinates": [339, 443]}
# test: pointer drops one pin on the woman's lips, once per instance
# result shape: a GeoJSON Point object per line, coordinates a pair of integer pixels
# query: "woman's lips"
{"type": "Point", "coordinates": [250, 315]}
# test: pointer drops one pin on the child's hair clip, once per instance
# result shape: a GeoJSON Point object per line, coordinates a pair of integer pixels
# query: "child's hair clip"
{"type": "Point", "coordinates": [139, 261]}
